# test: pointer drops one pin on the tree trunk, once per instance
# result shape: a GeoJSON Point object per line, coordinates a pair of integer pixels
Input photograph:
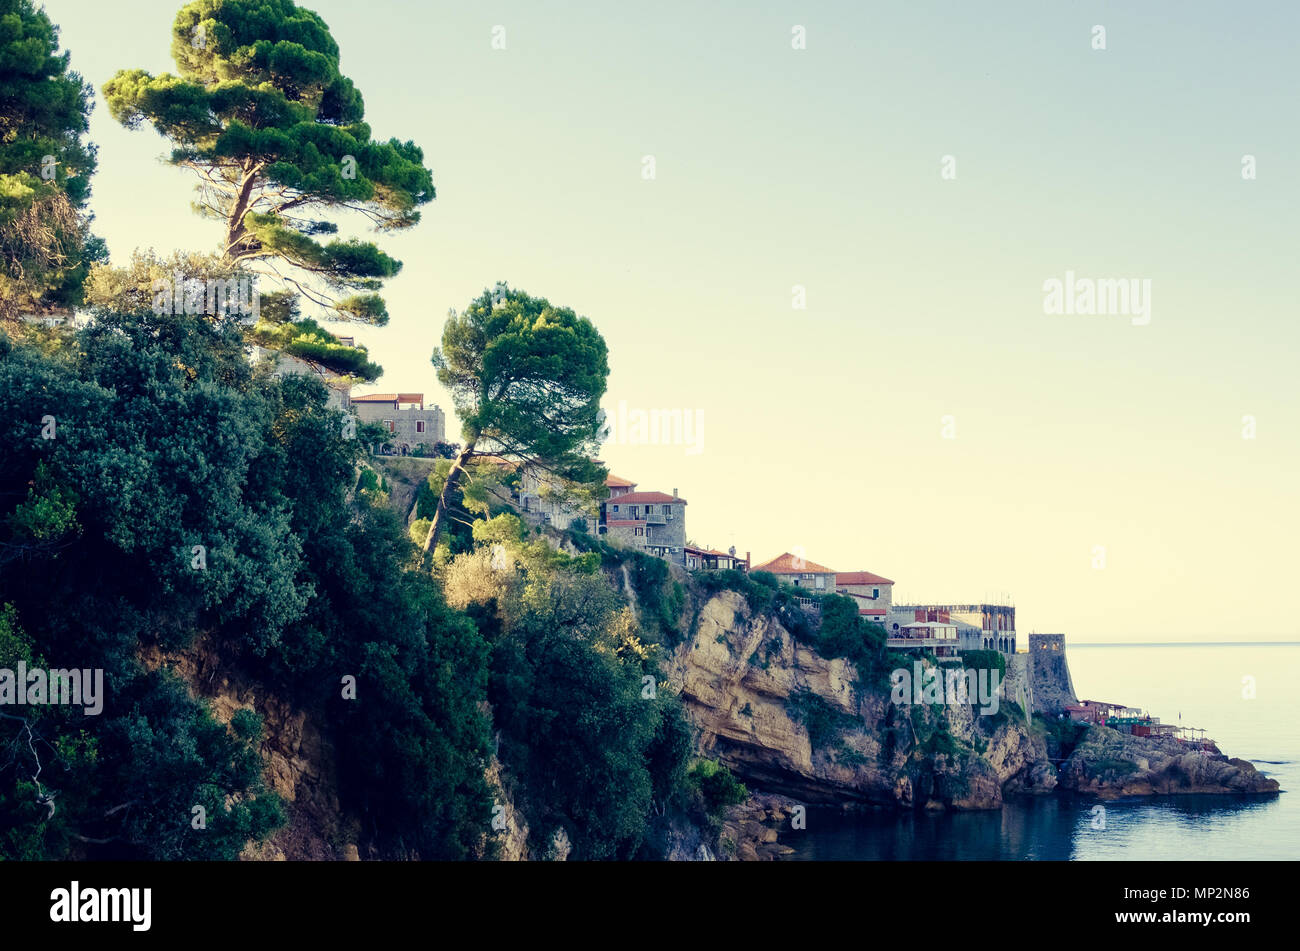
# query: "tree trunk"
{"type": "Point", "coordinates": [440, 516]}
{"type": "Point", "coordinates": [235, 230]}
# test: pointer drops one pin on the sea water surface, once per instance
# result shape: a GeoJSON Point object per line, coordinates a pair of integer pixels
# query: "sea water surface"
{"type": "Point", "coordinates": [1202, 683]}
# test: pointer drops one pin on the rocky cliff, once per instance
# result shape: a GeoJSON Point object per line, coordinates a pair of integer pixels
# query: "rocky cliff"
{"type": "Point", "coordinates": [299, 759]}
{"type": "Point", "coordinates": [798, 728]}
{"type": "Point", "coordinates": [791, 722]}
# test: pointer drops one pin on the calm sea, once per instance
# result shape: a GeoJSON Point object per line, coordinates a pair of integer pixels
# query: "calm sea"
{"type": "Point", "coordinates": [1201, 682]}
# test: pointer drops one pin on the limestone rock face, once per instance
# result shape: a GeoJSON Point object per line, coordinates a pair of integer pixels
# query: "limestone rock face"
{"type": "Point", "coordinates": [514, 837]}
{"type": "Point", "coordinates": [1109, 764]}
{"type": "Point", "coordinates": [741, 676]}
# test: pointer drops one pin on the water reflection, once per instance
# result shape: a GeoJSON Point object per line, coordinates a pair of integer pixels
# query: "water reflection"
{"type": "Point", "coordinates": [1052, 828]}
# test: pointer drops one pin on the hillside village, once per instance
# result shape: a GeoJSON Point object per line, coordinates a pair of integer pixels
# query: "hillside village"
{"type": "Point", "coordinates": [654, 523]}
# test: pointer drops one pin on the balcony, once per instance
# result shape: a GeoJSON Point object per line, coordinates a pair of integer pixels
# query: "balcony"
{"type": "Point", "coordinates": [653, 519]}
{"type": "Point", "coordinates": [903, 643]}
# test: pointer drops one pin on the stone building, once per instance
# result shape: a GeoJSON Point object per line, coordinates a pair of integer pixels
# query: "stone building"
{"type": "Point", "coordinates": [652, 521]}
{"type": "Point", "coordinates": [404, 416]}
{"type": "Point", "coordinates": [979, 626]}
{"type": "Point", "coordinates": [1049, 674]}
{"type": "Point", "coordinates": [618, 486]}
{"type": "Point", "coordinates": [873, 594]}
{"type": "Point", "coordinates": [541, 498]}
{"type": "Point", "coordinates": [800, 572]}
{"type": "Point", "coordinates": [282, 364]}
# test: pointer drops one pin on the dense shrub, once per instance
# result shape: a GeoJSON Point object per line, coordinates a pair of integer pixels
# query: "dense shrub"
{"type": "Point", "coordinates": [185, 495]}
{"type": "Point", "coordinates": [717, 786]}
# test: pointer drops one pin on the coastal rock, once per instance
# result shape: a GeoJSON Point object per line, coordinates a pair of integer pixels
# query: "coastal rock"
{"type": "Point", "coordinates": [751, 830]}
{"type": "Point", "coordinates": [1110, 765]}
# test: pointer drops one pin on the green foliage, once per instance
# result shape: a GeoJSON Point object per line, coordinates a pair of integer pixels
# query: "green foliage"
{"type": "Point", "coordinates": [441, 450]}
{"type": "Point", "coordinates": [49, 513]}
{"type": "Point", "coordinates": [309, 341]}
{"type": "Point", "coordinates": [985, 660]}
{"type": "Point", "coordinates": [765, 593]}
{"type": "Point", "coordinates": [942, 742]}
{"type": "Point", "coordinates": [849, 757]}
{"type": "Point", "coordinates": [526, 379]}
{"type": "Point", "coordinates": [1060, 735]}
{"type": "Point", "coordinates": [46, 248]}
{"type": "Point", "coordinates": [586, 728]}
{"type": "Point", "coordinates": [844, 633]}
{"type": "Point", "coordinates": [661, 600]}
{"type": "Point", "coordinates": [275, 132]}
{"type": "Point", "coordinates": [579, 735]}
{"type": "Point", "coordinates": [166, 440]}
{"type": "Point", "coordinates": [819, 717]}
{"type": "Point", "coordinates": [717, 787]}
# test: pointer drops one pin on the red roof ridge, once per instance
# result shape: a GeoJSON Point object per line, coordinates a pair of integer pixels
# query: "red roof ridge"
{"type": "Point", "coordinates": [784, 564]}
{"type": "Point", "coordinates": [632, 497]}
{"type": "Point", "coordinates": [860, 577]}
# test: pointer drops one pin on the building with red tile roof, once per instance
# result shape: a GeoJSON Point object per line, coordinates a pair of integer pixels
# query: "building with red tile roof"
{"type": "Point", "coordinates": [403, 416]}
{"type": "Point", "coordinates": [800, 572]}
{"type": "Point", "coordinates": [874, 593]}
{"type": "Point", "coordinates": [845, 579]}
{"type": "Point", "coordinates": [654, 522]}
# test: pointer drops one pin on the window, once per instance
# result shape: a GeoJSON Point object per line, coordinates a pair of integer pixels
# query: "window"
{"type": "Point", "coordinates": [668, 510]}
{"type": "Point", "coordinates": [875, 592]}
{"type": "Point", "coordinates": [634, 508]}
{"type": "Point", "coordinates": [821, 581]}
{"type": "Point", "coordinates": [388, 424]}
{"type": "Point", "coordinates": [615, 508]}
{"type": "Point", "coordinates": [640, 531]}
{"type": "Point", "coordinates": [419, 425]}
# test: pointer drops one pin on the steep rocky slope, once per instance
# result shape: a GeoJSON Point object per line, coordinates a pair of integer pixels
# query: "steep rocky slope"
{"type": "Point", "coordinates": [300, 761]}
{"type": "Point", "coordinates": [747, 686]}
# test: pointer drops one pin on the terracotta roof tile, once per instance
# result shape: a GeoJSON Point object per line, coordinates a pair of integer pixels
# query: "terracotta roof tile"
{"type": "Point", "coordinates": [389, 398]}
{"type": "Point", "coordinates": [788, 564]}
{"type": "Point", "coordinates": [860, 577]}
{"type": "Point", "coordinates": [634, 497]}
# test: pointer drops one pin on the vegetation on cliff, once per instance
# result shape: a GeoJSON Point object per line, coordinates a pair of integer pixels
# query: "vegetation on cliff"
{"type": "Point", "coordinates": [156, 488]}
{"type": "Point", "coordinates": [46, 248]}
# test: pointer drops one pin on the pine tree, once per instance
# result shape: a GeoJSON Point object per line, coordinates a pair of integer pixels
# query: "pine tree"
{"type": "Point", "coordinates": [262, 115]}
{"type": "Point", "coordinates": [46, 248]}
{"type": "Point", "coordinates": [526, 378]}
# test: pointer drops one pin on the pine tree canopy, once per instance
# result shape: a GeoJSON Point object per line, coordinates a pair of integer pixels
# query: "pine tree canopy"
{"type": "Point", "coordinates": [275, 132]}
{"type": "Point", "coordinates": [45, 167]}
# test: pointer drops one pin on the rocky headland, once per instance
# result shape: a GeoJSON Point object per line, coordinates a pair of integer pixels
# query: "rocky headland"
{"type": "Point", "coordinates": [802, 729]}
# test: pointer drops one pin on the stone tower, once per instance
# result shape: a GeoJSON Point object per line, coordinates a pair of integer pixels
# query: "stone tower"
{"type": "Point", "coordinates": [1049, 674]}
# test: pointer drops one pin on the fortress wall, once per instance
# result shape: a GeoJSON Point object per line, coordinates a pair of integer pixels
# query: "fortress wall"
{"type": "Point", "coordinates": [1018, 686]}
{"type": "Point", "coordinates": [1049, 674]}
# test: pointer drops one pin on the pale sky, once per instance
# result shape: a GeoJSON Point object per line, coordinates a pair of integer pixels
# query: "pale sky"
{"type": "Point", "coordinates": [775, 167]}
